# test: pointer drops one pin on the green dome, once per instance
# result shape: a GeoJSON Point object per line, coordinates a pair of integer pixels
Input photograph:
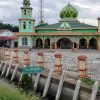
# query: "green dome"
{"type": "Point", "coordinates": [68, 12]}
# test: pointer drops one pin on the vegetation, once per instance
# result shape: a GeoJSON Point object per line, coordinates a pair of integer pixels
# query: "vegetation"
{"type": "Point", "coordinates": [9, 27]}
{"type": "Point", "coordinates": [89, 82]}
{"type": "Point", "coordinates": [6, 93]}
{"type": "Point", "coordinates": [26, 85]}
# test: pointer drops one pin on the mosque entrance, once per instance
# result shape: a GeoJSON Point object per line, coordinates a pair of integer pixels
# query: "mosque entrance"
{"type": "Point", "coordinates": [93, 43]}
{"type": "Point", "coordinates": [64, 43]}
{"type": "Point", "coordinates": [47, 43]}
{"type": "Point", "coordinates": [39, 43]}
{"type": "Point", "coordinates": [83, 43]}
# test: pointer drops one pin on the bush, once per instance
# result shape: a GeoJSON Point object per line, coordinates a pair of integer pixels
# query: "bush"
{"type": "Point", "coordinates": [26, 84]}
{"type": "Point", "coordinates": [88, 81]}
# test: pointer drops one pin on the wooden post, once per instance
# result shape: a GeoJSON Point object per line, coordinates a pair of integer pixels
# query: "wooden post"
{"type": "Point", "coordinates": [82, 66]}
{"type": "Point", "coordinates": [40, 60]}
{"type": "Point", "coordinates": [58, 65]}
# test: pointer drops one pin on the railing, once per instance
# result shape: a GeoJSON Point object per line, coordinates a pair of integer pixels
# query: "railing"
{"type": "Point", "coordinates": [68, 63]}
{"type": "Point", "coordinates": [93, 69]}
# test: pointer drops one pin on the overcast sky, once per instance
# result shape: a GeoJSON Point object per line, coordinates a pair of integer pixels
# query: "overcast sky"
{"type": "Point", "coordinates": [89, 10]}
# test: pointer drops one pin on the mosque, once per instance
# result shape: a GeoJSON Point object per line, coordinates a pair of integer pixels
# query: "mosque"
{"type": "Point", "coordinates": [68, 33]}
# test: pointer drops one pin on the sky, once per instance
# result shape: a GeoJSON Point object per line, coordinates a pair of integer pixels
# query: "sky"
{"type": "Point", "coordinates": [88, 10]}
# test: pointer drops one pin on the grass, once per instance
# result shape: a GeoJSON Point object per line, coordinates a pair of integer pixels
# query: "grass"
{"type": "Point", "coordinates": [89, 82]}
{"type": "Point", "coordinates": [7, 93]}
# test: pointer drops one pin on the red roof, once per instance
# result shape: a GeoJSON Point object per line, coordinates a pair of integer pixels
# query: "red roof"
{"type": "Point", "coordinates": [6, 38]}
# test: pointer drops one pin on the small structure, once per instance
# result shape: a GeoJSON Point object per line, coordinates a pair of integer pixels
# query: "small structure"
{"type": "Point", "coordinates": [7, 38]}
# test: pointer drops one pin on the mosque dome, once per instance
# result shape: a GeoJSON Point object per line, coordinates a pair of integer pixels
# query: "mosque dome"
{"type": "Point", "coordinates": [68, 12]}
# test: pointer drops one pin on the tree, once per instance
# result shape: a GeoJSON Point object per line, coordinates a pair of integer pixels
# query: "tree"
{"type": "Point", "coordinates": [9, 27]}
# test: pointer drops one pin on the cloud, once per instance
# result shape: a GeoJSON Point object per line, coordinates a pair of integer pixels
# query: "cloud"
{"type": "Point", "coordinates": [88, 10]}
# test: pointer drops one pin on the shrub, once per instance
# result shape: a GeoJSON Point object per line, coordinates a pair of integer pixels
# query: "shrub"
{"type": "Point", "coordinates": [26, 84]}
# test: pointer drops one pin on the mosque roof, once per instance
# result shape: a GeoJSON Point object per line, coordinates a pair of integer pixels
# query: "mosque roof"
{"type": "Point", "coordinates": [68, 20]}
{"type": "Point", "coordinates": [68, 12]}
{"type": "Point", "coordinates": [66, 25]}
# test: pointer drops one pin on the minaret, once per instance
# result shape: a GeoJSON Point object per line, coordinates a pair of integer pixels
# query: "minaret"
{"type": "Point", "coordinates": [26, 22]}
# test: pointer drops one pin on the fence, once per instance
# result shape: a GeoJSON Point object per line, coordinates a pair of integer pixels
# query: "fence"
{"type": "Point", "coordinates": [68, 63]}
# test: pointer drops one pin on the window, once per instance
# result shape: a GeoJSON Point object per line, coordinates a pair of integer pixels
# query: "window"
{"type": "Point", "coordinates": [24, 25]}
{"type": "Point", "coordinates": [29, 25]}
{"type": "Point", "coordinates": [24, 12]}
{"type": "Point", "coordinates": [24, 41]}
{"type": "Point", "coordinates": [29, 12]}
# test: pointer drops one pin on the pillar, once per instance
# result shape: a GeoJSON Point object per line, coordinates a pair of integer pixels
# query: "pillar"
{"type": "Point", "coordinates": [82, 70]}
{"type": "Point", "coordinates": [58, 65]}
{"type": "Point", "coordinates": [40, 60]}
{"type": "Point", "coordinates": [15, 56]}
{"type": "Point", "coordinates": [26, 58]}
{"type": "Point", "coordinates": [12, 43]}
{"type": "Point", "coordinates": [7, 55]}
{"type": "Point", "coordinates": [43, 44]}
{"type": "Point", "coordinates": [73, 46]}
{"type": "Point", "coordinates": [98, 43]}
{"type": "Point", "coordinates": [87, 44]}
{"type": "Point", "coordinates": [78, 46]}
{"type": "Point", "coordinates": [55, 45]}
{"type": "Point", "coordinates": [50, 46]}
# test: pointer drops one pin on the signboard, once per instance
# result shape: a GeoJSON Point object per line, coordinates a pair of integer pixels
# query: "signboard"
{"type": "Point", "coordinates": [32, 70]}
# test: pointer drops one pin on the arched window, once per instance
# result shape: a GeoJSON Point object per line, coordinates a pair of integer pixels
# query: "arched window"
{"type": "Point", "coordinates": [29, 25]}
{"type": "Point", "coordinates": [93, 43]}
{"type": "Point", "coordinates": [47, 43]}
{"type": "Point", "coordinates": [24, 12]}
{"type": "Point", "coordinates": [24, 25]}
{"type": "Point", "coordinates": [24, 41]}
{"type": "Point", "coordinates": [39, 43]}
{"type": "Point", "coordinates": [83, 43]}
